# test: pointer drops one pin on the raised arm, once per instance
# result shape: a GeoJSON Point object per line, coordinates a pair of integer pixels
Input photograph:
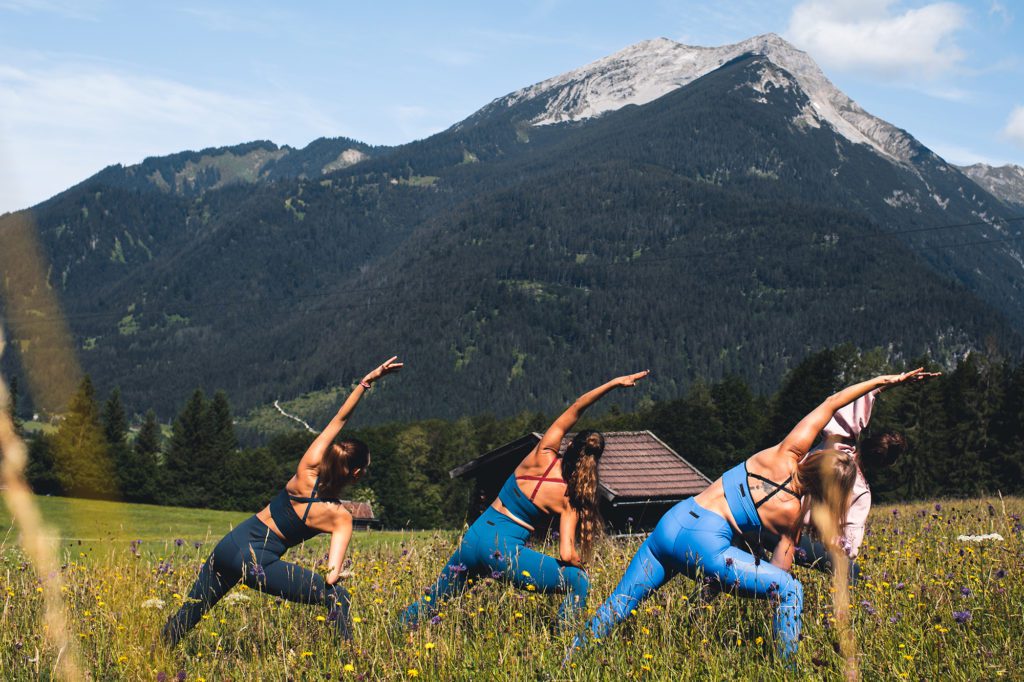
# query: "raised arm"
{"type": "Point", "coordinates": [552, 438]}
{"type": "Point", "coordinates": [802, 437]}
{"type": "Point", "coordinates": [315, 452]}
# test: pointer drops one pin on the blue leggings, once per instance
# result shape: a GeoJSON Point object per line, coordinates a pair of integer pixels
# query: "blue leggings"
{"type": "Point", "coordinates": [693, 541]}
{"type": "Point", "coordinates": [251, 554]}
{"type": "Point", "coordinates": [495, 546]}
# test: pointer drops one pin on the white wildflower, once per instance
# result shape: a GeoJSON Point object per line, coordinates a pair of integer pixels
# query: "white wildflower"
{"type": "Point", "coordinates": [235, 598]}
{"type": "Point", "coordinates": [153, 603]}
{"type": "Point", "coordinates": [980, 538]}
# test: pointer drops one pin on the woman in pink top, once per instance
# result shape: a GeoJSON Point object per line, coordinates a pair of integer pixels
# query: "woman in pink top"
{"type": "Point", "coordinates": [877, 451]}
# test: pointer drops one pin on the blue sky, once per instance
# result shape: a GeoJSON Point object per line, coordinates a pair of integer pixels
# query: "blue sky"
{"type": "Point", "coordinates": [87, 83]}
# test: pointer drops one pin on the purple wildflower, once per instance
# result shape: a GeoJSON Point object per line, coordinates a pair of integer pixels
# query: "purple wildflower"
{"type": "Point", "coordinates": [257, 572]}
{"type": "Point", "coordinates": [801, 555]}
{"type": "Point", "coordinates": [938, 507]}
{"type": "Point", "coordinates": [1000, 574]}
{"type": "Point", "coordinates": [134, 544]}
{"type": "Point", "coordinates": [900, 585]}
{"type": "Point", "coordinates": [866, 605]}
{"type": "Point", "coordinates": [965, 591]}
{"type": "Point", "coordinates": [495, 574]}
{"type": "Point", "coordinates": [728, 561]}
{"type": "Point", "coordinates": [161, 676]}
{"type": "Point", "coordinates": [497, 555]}
{"type": "Point", "coordinates": [197, 544]}
{"type": "Point", "coordinates": [163, 567]}
{"type": "Point", "coordinates": [555, 535]}
{"type": "Point", "coordinates": [961, 617]}
{"type": "Point", "coordinates": [896, 618]}
{"type": "Point", "coordinates": [457, 568]}
{"type": "Point", "coordinates": [436, 620]}
{"type": "Point", "coordinates": [179, 542]}
{"type": "Point", "coordinates": [180, 677]}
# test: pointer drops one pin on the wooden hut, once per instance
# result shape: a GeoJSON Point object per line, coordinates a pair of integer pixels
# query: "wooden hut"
{"type": "Point", "coordinates": [362, 515]}
{"type": "Point", "coordinates": [640, 477]}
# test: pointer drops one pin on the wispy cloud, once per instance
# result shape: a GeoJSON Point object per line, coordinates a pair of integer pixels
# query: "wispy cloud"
{"type": "Point", "coordinates": [879, 37]}
{"type": "Point", "coordinates": [1014, 130]}
{"type": "Point", "coordinates": [64, 122]}
{"type": "Point", "coordinates": [999, 10]}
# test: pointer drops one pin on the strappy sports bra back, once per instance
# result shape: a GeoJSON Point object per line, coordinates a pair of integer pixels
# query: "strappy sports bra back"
{"type": "Point", "coordinates": [741, 501]}
{"type": "Point", "coordinates": [778, 487]}
{"type": "Point", "coordinates": [543, 478]}
{"type": "Point", "coordinates": [288, 522]}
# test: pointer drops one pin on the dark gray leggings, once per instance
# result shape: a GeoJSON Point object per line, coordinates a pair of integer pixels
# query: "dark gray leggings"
{"type": "Point", "coordinates": [251, 554]}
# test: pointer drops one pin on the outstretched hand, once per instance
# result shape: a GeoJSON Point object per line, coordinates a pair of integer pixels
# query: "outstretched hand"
{"type": "Point", "coordinates": [631, 379]}
{"type": "Point", "coordinates": [910, 377]}
{"type": "Point", "coordinates": [386, 367]}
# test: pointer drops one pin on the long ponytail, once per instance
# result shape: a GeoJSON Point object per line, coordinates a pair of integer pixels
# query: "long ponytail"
{"type": "Point", "coordinates": [579, 469]}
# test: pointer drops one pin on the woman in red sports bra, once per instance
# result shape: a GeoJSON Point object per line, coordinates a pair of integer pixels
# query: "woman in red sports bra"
{"type": "Point", "coordinates": [545, 483]}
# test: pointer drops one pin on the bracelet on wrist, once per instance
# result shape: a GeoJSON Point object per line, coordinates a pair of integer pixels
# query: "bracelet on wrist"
{"type": "Point", "coordinates": [365, 384]}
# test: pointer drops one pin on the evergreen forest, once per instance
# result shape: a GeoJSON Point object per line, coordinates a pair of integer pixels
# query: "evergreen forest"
{"type": "Point", "coordinates": [964, 431]}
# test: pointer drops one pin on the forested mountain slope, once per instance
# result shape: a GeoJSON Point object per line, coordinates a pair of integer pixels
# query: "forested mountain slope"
{"type": "Point", "coordinates": [722, 227]}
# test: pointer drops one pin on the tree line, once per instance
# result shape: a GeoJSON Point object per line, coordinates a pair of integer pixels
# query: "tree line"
{"type": "Point", "coordinates": [964, 431]}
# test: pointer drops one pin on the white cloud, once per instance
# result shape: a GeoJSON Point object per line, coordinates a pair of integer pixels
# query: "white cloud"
{"type": "Point", "coordinates": [60, 124]}
{"type": "Point", "coordinates": [1014, 129]}
{"type": "Point", "coordinates": [879, 37]}
{"type": "Point", "coordinates": [998, 9]}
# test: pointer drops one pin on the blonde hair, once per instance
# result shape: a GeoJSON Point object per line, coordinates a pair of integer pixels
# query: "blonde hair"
{"type": "Point", "coordinates": [827, 478]}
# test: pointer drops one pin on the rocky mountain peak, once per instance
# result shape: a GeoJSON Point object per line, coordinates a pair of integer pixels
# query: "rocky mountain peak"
{"type": "Point", "coordinates": [649, 69]}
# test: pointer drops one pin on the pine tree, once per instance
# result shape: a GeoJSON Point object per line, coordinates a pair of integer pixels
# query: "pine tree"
{"type": "Point", "coordinates": [80, 449]}
{"type": "Point", "coordinates": [219, 443]}
{"type": "Point", "coordinates": [805, 387]}
{"type": "Point", "coordinates": [183, 483]}
{"type": "Point", "coordinates": [140, 473]}
{"type": "Point", "coordinates": [115, 423]}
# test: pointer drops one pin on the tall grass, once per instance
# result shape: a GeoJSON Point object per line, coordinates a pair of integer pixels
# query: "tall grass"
{"type": "Point", "coordinates": [917, 575]}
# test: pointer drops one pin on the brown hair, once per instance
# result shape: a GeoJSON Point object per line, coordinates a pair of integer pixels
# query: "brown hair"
{"type": "Point", "coordinates": [340, 461]}
{"type": "Point", "coordinates": [880, 450]}
{"type": "Point", "coordinates": [579, 469]}
{"type": "Point", "coordinates": [827, 478]}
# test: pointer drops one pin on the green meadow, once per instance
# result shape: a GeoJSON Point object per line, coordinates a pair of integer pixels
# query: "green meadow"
{"type": "Point", "coordinates": [930, 606]}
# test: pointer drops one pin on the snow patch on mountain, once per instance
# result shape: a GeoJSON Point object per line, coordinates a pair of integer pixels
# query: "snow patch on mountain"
{"type": "Point", "coordinates": [644, 72]}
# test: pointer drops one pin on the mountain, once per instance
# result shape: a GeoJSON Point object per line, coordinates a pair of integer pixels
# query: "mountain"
{"type": "Point", "coordinates": [729, 225]}
{"type": "Point", "coordinates": [1004, 182]}
{"type": "Point", "coordinates": [194, 173]}
{"type": "Point", "coordinates": [650, 69]}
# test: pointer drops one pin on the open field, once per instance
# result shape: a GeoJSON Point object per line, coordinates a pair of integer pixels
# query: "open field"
{"type": "Point", "coordinates": [91, 525]}
{"type": "Point", "coordinates": [917, 575]}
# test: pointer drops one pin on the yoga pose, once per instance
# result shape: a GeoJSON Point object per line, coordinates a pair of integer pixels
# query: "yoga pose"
{"type": "Point", "coordinates": [695, 537]}
{"type": "Point", "coordinates": [871, 454]}
{"type": "Point", "coordinates": [545, 483]}
{"type": "Point", "coordinates": [308, 505]}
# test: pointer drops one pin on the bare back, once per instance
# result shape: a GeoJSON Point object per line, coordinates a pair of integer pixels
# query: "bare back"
{"type": "Point", "coordinates": [778, 510]}
{"type": "Point", "coordinates": [322, 516]}
{"type": "Point", "coordinates": [539, 477]}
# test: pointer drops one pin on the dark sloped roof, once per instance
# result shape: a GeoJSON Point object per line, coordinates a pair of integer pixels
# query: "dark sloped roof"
{"type": "Point", "coordinates": [636, 465]}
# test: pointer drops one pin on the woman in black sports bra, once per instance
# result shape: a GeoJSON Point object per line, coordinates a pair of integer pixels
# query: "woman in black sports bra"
{"type": "Point", "coordinates": [308, 505]}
